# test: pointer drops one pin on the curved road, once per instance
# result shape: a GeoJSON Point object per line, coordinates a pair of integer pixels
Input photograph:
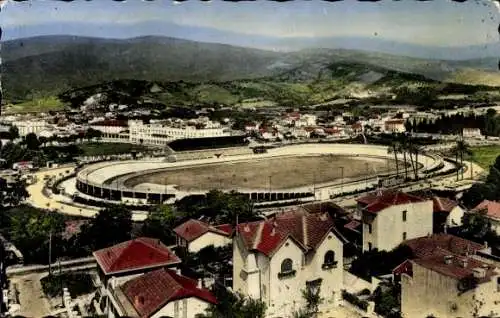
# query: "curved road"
{"type": "Point", "coordinates": [38, 199]}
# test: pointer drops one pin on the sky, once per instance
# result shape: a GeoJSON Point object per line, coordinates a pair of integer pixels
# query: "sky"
{"type": "Point", "coordinates": [440, 23]}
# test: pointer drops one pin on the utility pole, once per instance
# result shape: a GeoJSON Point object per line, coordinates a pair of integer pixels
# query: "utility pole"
{"type": "Point", "coordinates": [270, 184]}
{"type": "Point", "coordinates": [50, 252]}
{"type": "Point", "coordinates": [366, 175]}
{"type": "Point", "coordinates": [341, 180]}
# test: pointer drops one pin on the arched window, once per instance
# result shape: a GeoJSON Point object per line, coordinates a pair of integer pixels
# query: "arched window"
{"type": "Point", "coordinates": [329, 258]}
{"type": "Point", "coordinates": [287, 266]}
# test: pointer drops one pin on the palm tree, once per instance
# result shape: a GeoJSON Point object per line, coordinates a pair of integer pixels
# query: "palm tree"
{"type": "Point", "coordinates": [393, 148]}
{"type": "Point", "coordinates": [404, 145]}
{"type": "Point", "coordinates": [414, 149]}
{"type": "Point", "coordinates": [462, 148]}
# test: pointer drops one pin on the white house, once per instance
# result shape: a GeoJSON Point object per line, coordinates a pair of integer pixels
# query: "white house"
{"type": "Point", "coordinates": [391, 217]}
{"type": "Point", "coordinates": [161, 293]}
{"type": "Point", "coordinates": [275, 259]}
{"type": "Point", "coordinates": [491, 210]}
{"type": "Point", "coordinates": [447, 213]}
{"type": "Point", "coordinates": [126, 261]}
{"type": "Point", "coordinates": [195, 235]}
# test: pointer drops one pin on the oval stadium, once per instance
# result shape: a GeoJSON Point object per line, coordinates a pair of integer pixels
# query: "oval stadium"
{"type": "Point", "coordinates": [316, 171]}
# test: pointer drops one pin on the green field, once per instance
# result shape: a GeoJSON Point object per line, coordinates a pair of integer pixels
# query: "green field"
{"type": "Point", "coordinates": [43, 104]}
{"type": "Point", "coordinates": [485, 155]}
{"type": "Point", "coordinates": [104, 149]}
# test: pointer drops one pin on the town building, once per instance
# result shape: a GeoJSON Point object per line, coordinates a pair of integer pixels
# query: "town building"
{"type": "Point", "coordinates": [161, 134]}
{"type": "Point", "coordinates": [128, 260]}
{"type": "Point", "coordinates": [285, 255]}
{"type": "Point", "coordinates": [160, 293]}
{"type": "Point", "coordinates": [491, 210]}
{"type": "Point", "coordinates": [194, 235]}
{"type": "Point", "coordinates": [447, 279]}
{"type": "Point", "coordinates": [391, 217]}
{"type": "Point", "coordinates": [110, 128]}
{"type": "Point", "coordinates": [447, 214]}
{"type": "Point", "coordinates": [28, 126]}
{"type": "Point", "coordinates": [472, 133]}
{"type": "Point", "coordinates": [395, 126]}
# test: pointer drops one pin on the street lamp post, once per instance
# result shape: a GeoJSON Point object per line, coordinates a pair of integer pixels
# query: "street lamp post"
{"type": "Point", "coordinates": [366, 175]}
{"type": "Point", "coordinates": [341, 180]}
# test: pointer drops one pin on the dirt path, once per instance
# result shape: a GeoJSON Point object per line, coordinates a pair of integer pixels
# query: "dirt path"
{"type": "Point", "coordinates": [31, 297]}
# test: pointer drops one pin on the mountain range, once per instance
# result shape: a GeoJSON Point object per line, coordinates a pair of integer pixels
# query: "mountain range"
{"type": "Point", "coordinates": [49, 65]}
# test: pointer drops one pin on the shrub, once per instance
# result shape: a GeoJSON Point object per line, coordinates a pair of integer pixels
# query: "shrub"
{"type": "Point", "coordinates": [353, 299]}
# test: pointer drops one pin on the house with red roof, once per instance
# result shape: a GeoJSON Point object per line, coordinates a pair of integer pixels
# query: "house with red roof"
{"type": "Point", "coordinates": [390, 217]}
{"type": "Point", "coordinates": [160, 293]}
{"type": "Point", "coordinates": [127, 260]}
{"type": "Point", "coordinates": [446, 279]}
{"type": "Point", "coordinates": [275, 259]}
{"type": "Point", "coordinates": [194, 235]}
{"type": "Point", "coordinates": [491, 210]}
{"type": "Point", "coordinates": [448, 276]}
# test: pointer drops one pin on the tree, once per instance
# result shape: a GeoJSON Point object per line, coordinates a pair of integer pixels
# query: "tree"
{"type": "Point", "coordinates": [110, 226]}
{"type": "Point", "coordinates": [231, 305]}
{"type": "Point", "coordinates": [461, 148]}
{"type": "Point", "coordinates": [160, 223]}
{"type": "Point", "coordinates": [30, 230]}
{"type": "Point", "coordinates": [394, 149]}
{"type": "Point", "coordinates": [13, 132]}
{"type": "Point", "coordinates": [31, 141]}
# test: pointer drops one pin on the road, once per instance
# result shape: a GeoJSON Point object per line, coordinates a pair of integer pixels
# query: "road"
{"type": "Point", "coordinates": [33, 302]}
{"type": "Point", "coordinates": [38, 199]}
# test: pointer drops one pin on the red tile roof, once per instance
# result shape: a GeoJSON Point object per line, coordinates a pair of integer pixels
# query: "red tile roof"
{"type": "Point", "coordinates": [150, 292]}
{"type": "Point", "coordinates": [491, 208]}
{"type": "Point", "coordinates": [353, 225]}
{"type": "Point", "coordinates": [193, 229]}
{"type": "Point", "coordinates": [405, 267]}
{"type": "Point", "coordinates": [379, 200]}
{"type": "Point", "coordinates": [441, 204]}
{"type": "Point", "coordinates": [427, 245]}
{"type": "Point", "coordinates": [135, 254]}
{"type": "Point", "coordinates": [456, 268]}
{"type": "Point", "coordinates": [307, 230]}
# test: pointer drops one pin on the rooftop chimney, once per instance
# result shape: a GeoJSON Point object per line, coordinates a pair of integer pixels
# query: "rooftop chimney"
{"type": "Point", "coordinates": [479, 272]}
{"type": "Point", "coordinates": [178, 271]}
{"type": "Point", "coordinates": [200, 283]}
{"type": "Point", "coordinates": [448, 259]}
{"type": "Point", "coordinates": [464, 262]}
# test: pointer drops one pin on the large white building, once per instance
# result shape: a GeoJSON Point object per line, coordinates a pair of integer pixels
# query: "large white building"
{"type": "Point", "coordinates": [274, 260]}
{"type": "Point", "coordinates": [160, 134]}
{"type": "Point", "coordinates": [391, 217]}
{"type": "Point", "coordinates": [26, 127]}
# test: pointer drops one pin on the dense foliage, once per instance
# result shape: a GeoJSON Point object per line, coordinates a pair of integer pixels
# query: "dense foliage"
{"type": "Point", "coordinates": [489, 124]}
{"type": "Point", "coordinates": [233, 305]}
{"type": "Point", "coordinates": [376, 263]}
